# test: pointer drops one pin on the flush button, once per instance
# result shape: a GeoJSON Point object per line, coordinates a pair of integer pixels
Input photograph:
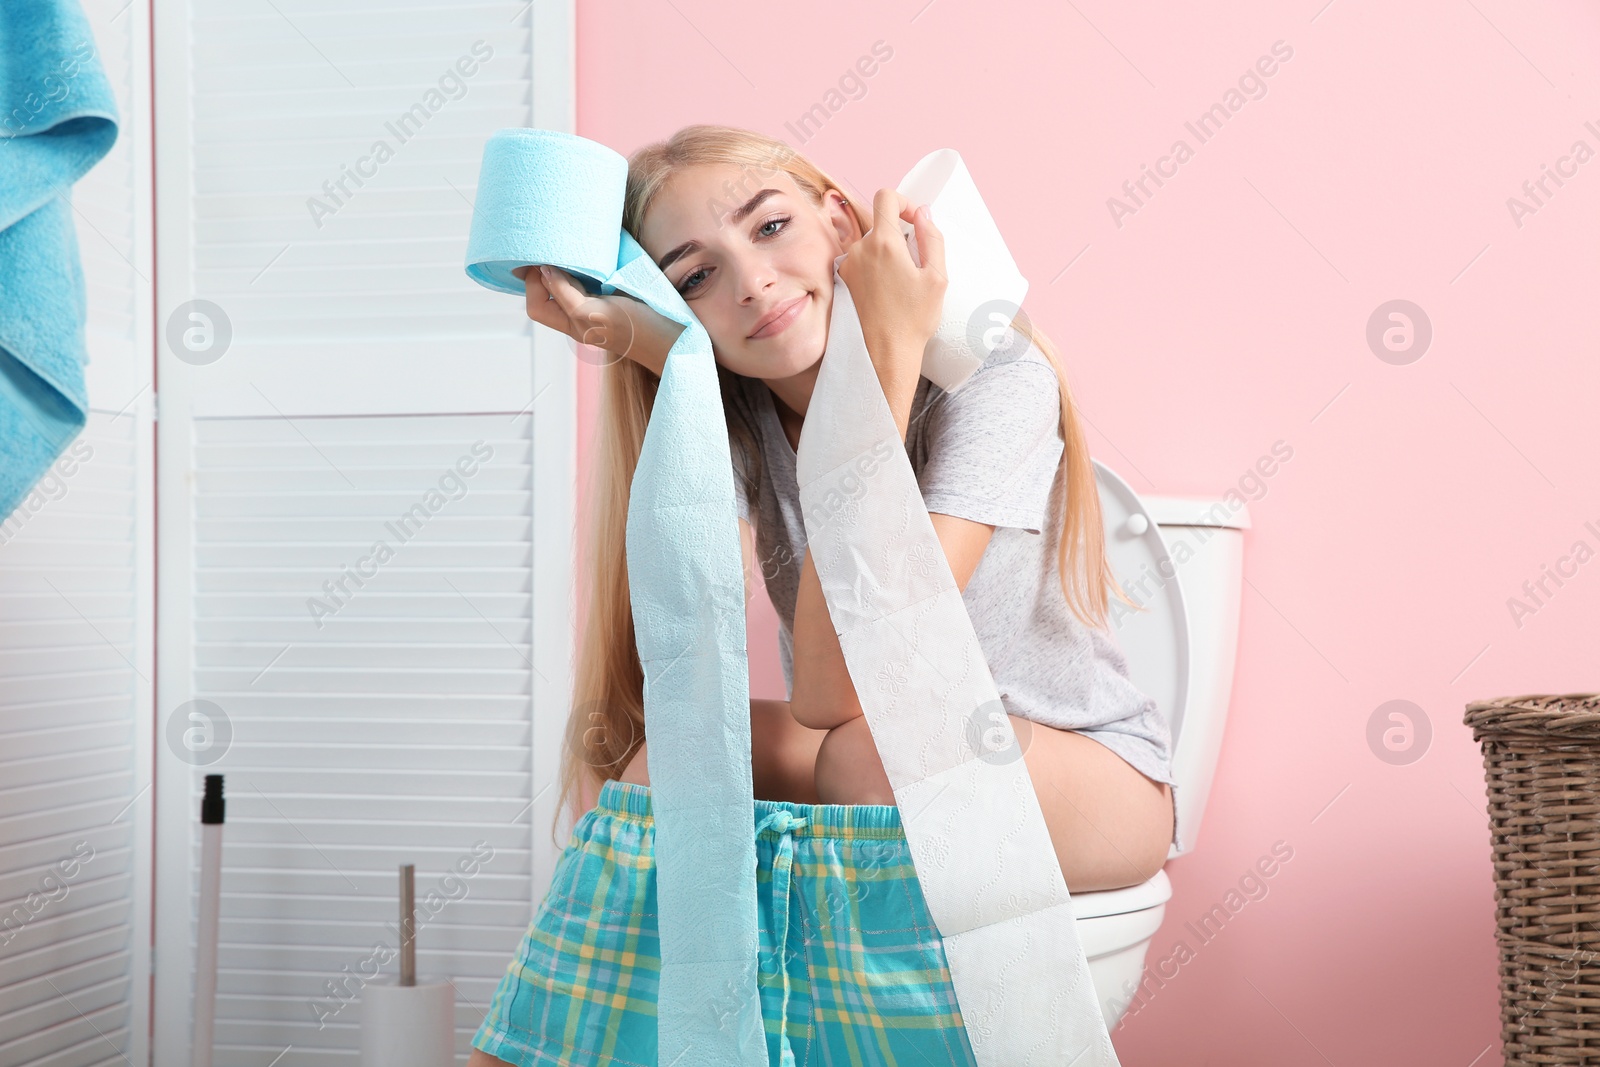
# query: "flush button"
{"type": "Point", "coordinates": [1138, 524]}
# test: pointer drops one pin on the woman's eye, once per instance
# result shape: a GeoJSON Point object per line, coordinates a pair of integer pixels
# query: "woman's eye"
{"type": "Point", "coordinates": [689, 284]}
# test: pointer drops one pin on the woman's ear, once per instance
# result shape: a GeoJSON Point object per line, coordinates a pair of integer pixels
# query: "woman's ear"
{"type": "Point", "coordinates": [844, 222]}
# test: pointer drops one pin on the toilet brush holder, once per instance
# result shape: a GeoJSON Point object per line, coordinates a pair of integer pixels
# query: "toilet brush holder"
{"type": "Point", "coordinates": [408, 1026]}
{"type": "Point", "coordinates": [408, 1021]}
{"type": "Point", "coordinates": [1541, 763]}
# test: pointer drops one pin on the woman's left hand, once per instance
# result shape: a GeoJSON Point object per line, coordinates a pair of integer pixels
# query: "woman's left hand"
{"type": "Point", "coordinates": [898, 302]}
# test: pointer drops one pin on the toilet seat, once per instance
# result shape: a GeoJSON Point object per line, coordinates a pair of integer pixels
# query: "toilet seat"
{"type": "Point", "coordinates": [1114, 925]}
{"type": "Point", "coordinates": [1110, 921]}
{"type": "Point", "coordinates": [1098, 903]}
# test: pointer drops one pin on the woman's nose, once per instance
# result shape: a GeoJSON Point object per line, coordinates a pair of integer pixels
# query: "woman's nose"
{"type": "Point", "coordinates": [752, 280]}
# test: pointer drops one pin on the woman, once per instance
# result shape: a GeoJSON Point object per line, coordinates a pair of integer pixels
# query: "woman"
{"type": "Point", "coordinates": [748, 233]}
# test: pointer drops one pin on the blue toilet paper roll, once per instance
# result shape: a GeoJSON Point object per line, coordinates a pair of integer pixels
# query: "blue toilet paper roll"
{"type": "Point", "coordinates": [551, 197]}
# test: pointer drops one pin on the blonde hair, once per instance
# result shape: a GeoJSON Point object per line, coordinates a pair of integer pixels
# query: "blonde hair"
{"type": "Point", "coordinates": [606, 724]}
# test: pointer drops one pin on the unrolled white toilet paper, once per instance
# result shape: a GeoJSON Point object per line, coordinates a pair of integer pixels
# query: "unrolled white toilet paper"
{"type": "Point", "coordinates": [982, 852]}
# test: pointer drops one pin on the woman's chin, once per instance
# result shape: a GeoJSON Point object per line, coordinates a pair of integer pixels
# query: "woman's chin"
{"type": "Point", "coordinates": [783, 361]}
{"type": "Point", "coordinates": [800, 364]}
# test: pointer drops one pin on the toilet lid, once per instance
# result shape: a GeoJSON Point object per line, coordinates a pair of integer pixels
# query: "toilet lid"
{"type": "Point", "coordinates": [1155, 641]}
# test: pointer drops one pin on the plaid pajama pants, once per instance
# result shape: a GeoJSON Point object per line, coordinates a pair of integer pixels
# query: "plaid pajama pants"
{"type": "Point", "coordinates": [861, 978]}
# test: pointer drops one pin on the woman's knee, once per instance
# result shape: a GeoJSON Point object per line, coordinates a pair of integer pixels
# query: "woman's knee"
{"type": "Point", "coordinates": [783, 755]}
{"type": "Point", "coordinates": [849, 770]}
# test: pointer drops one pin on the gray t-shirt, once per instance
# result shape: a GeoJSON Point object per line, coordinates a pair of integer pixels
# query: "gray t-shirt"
{"type": "Point", "coordinates": [989, 452]}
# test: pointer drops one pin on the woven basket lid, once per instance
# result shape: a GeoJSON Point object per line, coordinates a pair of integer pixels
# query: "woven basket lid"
{"type": "Point", "coordinates": [1575, 715]}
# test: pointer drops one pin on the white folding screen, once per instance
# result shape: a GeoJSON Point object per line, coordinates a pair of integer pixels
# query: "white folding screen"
{"type": "Point", "coordinates": [366, 492]}
{"type": "Point", "coordinates": [76, 660]}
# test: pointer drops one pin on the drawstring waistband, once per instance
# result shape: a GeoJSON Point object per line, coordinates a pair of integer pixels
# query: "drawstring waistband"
{"type": "Point", "coordinates": [881, 822]}
{"type": "Point", "coordinates": [782, 876]}
{"type": "Point", "coordinates": [631, 802]}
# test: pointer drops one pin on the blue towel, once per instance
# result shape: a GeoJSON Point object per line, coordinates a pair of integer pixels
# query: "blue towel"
{"type": "Point", "coordinates": [58, 118]}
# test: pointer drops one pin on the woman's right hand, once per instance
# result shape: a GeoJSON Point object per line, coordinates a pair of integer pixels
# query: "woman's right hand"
{"type": "Point", "coordinates": [617, 324]}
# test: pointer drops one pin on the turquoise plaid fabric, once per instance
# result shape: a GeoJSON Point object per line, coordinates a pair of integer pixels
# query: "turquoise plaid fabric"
{"type": "Point", "coordinates": [861, 981]}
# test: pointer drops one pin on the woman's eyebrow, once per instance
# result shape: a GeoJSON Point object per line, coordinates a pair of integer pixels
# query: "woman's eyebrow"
{"type": "Point", "coordinates": [737, 215]}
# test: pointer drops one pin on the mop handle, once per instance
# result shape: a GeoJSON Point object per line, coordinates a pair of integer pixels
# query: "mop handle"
{"type": "Point", "coordinates": [205, 971]}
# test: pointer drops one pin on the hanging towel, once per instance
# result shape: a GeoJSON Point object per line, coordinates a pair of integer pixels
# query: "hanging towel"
{"type": "Point", "coordinates": [58, 118]}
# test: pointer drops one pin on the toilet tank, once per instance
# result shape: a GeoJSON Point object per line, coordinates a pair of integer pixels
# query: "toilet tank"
{"type": "Point", "coordinates": [1206, 540]}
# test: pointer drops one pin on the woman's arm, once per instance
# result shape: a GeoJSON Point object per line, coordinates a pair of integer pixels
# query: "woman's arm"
{"type": "Point", "coordinates": [824, 695]}
{"type": "Point", "coordinates": [747, 548]}
{"type": "Point", "coordinates": [898, 303]}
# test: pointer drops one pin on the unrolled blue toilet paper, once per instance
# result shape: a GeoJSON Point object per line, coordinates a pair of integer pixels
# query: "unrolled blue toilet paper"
{"type": "Point", "coordinates": [551, 197]}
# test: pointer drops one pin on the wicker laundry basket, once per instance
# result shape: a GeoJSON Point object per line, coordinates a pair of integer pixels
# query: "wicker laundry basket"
{"type": "Point", "coordinates": [1541, 761]}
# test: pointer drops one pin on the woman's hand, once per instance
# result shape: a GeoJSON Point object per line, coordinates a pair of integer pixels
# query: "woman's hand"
{"type": "Point", "coordinates": [899, 303]}
{"type": "Point", "coordinates": [617, 324]}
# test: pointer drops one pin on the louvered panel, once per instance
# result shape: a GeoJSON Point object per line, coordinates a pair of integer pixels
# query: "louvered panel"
{"type": "Point", "coordinates": [70, 929]}
{"type": "Point", "coordinates": [330, 256]}
{"type": "Point", "coordinates": [380, 712]}
{"type": "Point", "coordinates": [218, 234]}
{"type": "Point", "coordinates": [371, 113]}
{"type": "Point", "coordinates": [104, 207]}
{"type": "Point", "coordinates": [299, 155]}
{"type": "Point", "coordinates": [75, 630]}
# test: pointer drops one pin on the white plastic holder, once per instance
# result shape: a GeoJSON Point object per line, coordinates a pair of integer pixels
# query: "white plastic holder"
{"type": "Point", "coordinates": [408, 1026]}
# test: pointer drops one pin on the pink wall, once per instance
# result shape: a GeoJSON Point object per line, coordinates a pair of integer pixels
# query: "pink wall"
{"type": "Point", "coordinates": [1229, 312]}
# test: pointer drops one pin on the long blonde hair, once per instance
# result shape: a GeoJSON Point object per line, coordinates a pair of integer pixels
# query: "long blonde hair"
{"type": "Point", "coordinates": [606, 724]}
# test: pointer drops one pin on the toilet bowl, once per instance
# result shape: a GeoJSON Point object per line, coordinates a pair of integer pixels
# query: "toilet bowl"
{"type": "Point", "coordinates": [1182, 559]}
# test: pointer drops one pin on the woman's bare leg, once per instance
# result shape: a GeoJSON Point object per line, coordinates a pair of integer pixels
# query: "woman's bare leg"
{"type": "Point", "coordinates": [783, 755]}
{"type": "Point", "coordinates": [848, 768]}
{"type": "Point", "coordinates": [1109, 823]}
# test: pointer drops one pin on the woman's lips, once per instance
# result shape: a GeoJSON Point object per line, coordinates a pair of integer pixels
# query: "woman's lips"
{"type": "Point", "coordinates": [790, 312]}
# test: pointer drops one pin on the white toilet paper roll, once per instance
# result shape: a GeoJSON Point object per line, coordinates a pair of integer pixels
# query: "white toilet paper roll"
{"type": "Point", "coordinates": [983, 289]}
{"type": "Point", "coordinates": [408, 1026]}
